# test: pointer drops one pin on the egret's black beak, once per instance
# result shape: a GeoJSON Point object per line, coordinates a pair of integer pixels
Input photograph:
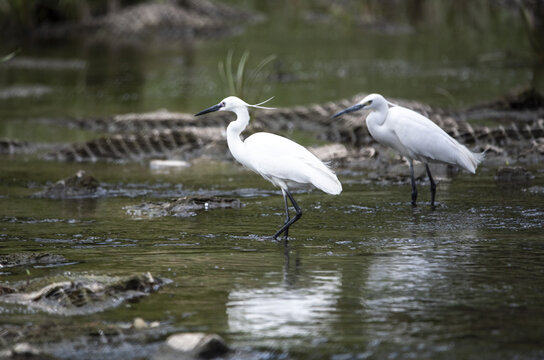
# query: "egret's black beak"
{"type": "Point", "coordinates": [348, 110]}
{"type": "Point", "coordinates": [210, 109]}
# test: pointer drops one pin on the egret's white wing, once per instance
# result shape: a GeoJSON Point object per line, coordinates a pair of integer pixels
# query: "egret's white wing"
{"type": "Point", "coordinates": [426, 141]}
{"type": "Point", "coordinates": [276, 157]}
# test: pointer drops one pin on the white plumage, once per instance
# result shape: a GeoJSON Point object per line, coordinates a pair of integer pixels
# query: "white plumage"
{"type": "Point", "coordinates": [277, 159]}
{"type": "Point", "coordinates": [282, 161]}
{"type": "Point", "coordinates": [415, 137]}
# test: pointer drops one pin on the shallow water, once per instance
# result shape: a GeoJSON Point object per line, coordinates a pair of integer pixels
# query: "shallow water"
{"type": "Point", "coordinates": [364, 275]}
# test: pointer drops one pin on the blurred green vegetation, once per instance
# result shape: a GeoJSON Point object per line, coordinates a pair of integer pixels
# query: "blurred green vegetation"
{"type": "Point", "coordinates": [242, 81]}
{"type": "Point", "coordinates": [8, 57]}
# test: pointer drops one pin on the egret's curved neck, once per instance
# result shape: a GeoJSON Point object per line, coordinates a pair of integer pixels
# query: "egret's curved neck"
{"type": "Point", "coordinates": [378, 115]}
{"type": "Point", "coordinates": [234, 130]}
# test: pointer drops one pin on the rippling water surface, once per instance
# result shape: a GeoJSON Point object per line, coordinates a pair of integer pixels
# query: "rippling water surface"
{"type": "Point", "coordinates": [364, 275]}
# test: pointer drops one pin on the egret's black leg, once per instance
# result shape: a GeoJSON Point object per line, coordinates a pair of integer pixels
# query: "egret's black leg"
{"type": "Point", "coordinates": [433, 184]}
{"type": "Point", "coordinates": [287, 218]}
{"type": "Point", "coordinates": [414, 189]}
{"type": "Point", "coordinates": [297, 216]}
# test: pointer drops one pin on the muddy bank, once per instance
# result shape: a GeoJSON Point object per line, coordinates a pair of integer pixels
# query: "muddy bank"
{"type": "Point", "coordinates": [514, 141]}
{"type": "Point", "coordinates": [186, 143]}
{"type": "Point", "coordinates": [157, 21]}
{"type": "Point", "coordinates": [516, 137]}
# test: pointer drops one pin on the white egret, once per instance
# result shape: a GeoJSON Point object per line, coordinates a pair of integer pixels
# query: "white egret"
{"type": "Point", "coordinates": [415, 137]}
{"type": "Point", "coordinates": [277, 159]}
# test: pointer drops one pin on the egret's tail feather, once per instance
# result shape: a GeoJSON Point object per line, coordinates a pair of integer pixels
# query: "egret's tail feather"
{"type": "Point", "coordinates": [332, 186]}
{"type": "Point", "coordinates": [326, 181]}
{"type": "Point", "coordinates": [470, 160]}
{"type": "Point", "coordinates": [479, 157]}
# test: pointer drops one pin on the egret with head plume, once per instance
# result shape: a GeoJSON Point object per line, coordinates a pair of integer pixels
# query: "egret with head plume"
{"type": "Point", "coordinates": [277, 159]}
{"type": "Point", "coordinates": [415, 137]}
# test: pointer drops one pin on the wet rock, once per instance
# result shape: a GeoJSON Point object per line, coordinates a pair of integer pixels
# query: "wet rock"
{"type": "Point", "coordinates": [538, 146]}
{"type": "Point", "coordinates": [513, 175]}
{"type": "Point", "coordinates": [136, 147]}
{"type": "Point", "coordinates": [14, 146]}
{"type": "Point", "coordinates": [179, 136]}
{"type": "Point", "coordinates": [215, 150]}
{"type": "Point", "coordinates": [182, 207]}
{"type": "Point", "coordinates": [84, 294]}
{"type": "Point", "coordinates": [11, 146]}
{"type": "Point", "coordinates": [399, 172]}
{"type": "Point", "coordinates": [367, 152]}
{"type": "Point", "coordinates": [139, 323]}
{"type": "Point", "coordinates": [168, 164]}
{"type": "Point", "coordinates": [535, 189]}
{"type": "Point", "coordinates": [31, 258]}
{"type": "Point", "coordinates": [330, 152]}
{"type": "Point", "coordinates": [24, 351]}
{"type": "Point", "coordinates": [84, 337]}
{"type": "Point", "coordinates": [5, 289]}
{"type": "Point", "coordinates": [193, 346]}
{"type": "Point", "coordinates": [80, 185]}
{"type": "Point", "coordinates": [492, 149]}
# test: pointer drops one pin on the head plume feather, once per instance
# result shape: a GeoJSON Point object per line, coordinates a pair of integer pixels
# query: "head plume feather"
{"type": "Point", "coordinates": [258, 106]}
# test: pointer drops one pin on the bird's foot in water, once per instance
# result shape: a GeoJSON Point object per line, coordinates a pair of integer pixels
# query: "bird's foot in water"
{"type": "Point", "coordinates": [279, 239]}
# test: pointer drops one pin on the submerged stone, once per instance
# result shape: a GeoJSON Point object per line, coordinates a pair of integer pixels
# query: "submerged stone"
{"type": "Point", "coordinates": [5, 289]}
{"type": "Point", "coordinates": [193, 346]}
{"type": "Point", "coordinates": [168, 164]}
{"type": "Point", "coordinates": [513, 175]}
{"type": "Point", "coordinates": [535, 189]}
{"type": "Point", "coordinates": [80, 185]}
{"type": "Point", "coordinates": [182, 207]}
{"type": "Point", "coordinates": [11, 146]}
{"type": "Point", "coordinates": [30, 258]}
{"type": "Point", "coordinates": [25, 351]}
{"type": "Point", "coordinates": [83, 337]}
{"type": "Point", "coordinates": [85, 294]}
{"type": "Point", "coordinates": [139, 324]}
